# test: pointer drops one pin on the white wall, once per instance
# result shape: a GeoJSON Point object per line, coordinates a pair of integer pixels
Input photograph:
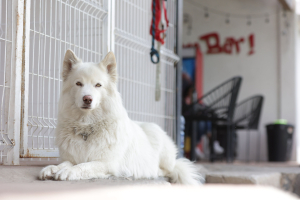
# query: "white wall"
{"type": "Point", "coordinates": [297, 35]}
{"type": "Point", "coordinates": [270, 71]}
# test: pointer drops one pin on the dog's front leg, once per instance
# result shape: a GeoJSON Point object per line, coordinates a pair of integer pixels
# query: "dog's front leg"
{"type": "Point", "coordinates": [89, 170]}
{"type": "Point", "coordinates": [49, 171]}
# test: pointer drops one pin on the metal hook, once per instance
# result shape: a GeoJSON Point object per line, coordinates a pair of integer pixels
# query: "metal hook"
{"type": "Point", "coordinates": [154, 52]}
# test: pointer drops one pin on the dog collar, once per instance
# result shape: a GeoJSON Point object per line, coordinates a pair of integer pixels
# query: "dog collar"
{"type": "Point", "coordinates": [84, 136]}
{"type": "Point", "coordinates": [84, 132]}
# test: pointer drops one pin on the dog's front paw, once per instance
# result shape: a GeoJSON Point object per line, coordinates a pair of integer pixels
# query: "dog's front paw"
{"type": "Point", "coordinates": [69, 174]}
{"type": "Point", "coordinates": [48, 172]}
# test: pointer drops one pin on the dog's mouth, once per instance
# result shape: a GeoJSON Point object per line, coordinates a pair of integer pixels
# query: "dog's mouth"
{"type": "Point", "coordinates": [86, 107]}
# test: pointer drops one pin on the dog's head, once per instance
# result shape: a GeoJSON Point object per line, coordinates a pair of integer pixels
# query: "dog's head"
{"type": "Point", "coordinates": [87, 85]}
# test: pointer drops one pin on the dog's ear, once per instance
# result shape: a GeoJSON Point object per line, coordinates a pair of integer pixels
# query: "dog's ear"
{"type": "Point", "coordinates": [109, 62]}
{"type": "Point", "coordinates": [69, 60]}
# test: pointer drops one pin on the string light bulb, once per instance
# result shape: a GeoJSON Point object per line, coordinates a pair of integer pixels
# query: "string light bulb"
{"type": "Point", "coordinates": [227, 19]}
{"type": "Point", "coordinates": [249, 21]}
{"type": "Point", "coordinates": [206, 12]}
{"type": "Point", "coordinates": [267, 18]}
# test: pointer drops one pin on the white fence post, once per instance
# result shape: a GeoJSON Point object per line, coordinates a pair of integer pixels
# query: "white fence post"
{"type": "Point", "coordinates": [112, 25]}
{"type": "Point", "coordinates": [25, 80]}
{"type": "Point", "coordinates": [15, 89]}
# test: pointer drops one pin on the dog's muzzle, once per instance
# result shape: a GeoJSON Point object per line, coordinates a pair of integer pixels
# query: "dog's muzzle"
{"type": "Point", "coordinates": [87, 101]}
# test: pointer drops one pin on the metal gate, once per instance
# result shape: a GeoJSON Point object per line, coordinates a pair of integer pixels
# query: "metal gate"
{"type": "Point", "coordinates": [11, 30]}
{"type": "Point", "coordinates": [90, 28]}
{"type": "Point", "coordinates": [54, 26]}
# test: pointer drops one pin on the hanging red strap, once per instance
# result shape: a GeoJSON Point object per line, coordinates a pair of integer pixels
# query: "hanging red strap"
{"type": "Point", "coordinates": [158, 32]}
{"type": "Point", "coordinates": [166, 16]}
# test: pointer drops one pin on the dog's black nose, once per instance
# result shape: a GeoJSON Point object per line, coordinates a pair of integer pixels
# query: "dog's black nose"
{"type": "Point", "coordinates": [87, 99]}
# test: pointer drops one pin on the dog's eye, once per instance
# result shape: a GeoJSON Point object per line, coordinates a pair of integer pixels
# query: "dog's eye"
{"type": "Point", "coordinates": [98, 85]}
{"type": "Point", "coordinates": [79, 84]}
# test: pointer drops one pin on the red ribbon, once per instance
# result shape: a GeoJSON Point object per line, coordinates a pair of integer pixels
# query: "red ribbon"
{"type": "Point", "coordinates": [158, 32]}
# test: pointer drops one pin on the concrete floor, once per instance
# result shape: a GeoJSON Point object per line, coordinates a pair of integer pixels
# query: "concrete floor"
{"type": "Point", "coordinates": [24, 175]}
{"type": "Point", "coordinates": [211, 192]}
{"type": "Point", "coordinates": [23, 180]}
{"type": "Point", "coordinates": [285, 176]}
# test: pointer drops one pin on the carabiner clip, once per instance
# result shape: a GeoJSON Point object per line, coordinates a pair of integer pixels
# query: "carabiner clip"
{"type": "Point", "coordinates": [154, 52]}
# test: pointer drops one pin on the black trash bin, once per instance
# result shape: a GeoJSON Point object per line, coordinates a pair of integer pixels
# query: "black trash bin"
{"type": "Point", "coordinates": [280, 139]}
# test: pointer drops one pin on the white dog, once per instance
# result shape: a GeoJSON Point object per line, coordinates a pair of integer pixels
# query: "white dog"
{"type": "Point", "coordinates": [96, 138]}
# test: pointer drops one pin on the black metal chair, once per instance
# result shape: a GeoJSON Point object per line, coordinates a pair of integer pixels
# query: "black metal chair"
{"type": "Point", "coordinates": [247, 116]}
{"type": "Point", "coordinates": [216, 106]}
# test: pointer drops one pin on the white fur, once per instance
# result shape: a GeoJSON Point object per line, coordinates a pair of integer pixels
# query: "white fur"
{"type": "Point", "coordinates": [116, 145]}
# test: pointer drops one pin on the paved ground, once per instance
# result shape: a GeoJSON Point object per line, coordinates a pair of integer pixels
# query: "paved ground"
{"type": "Point", "coordinates": [28, 175]}
{"type": "Point", "coordinates": [23, 180]}
{"type": "Point", "coordinates": [211, 192]}
{"type": "Point", "coordinates": [285, 176]}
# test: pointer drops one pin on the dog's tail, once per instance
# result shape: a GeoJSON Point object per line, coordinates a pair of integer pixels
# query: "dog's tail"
{"type": "Point", "coordinates": [185, 173]}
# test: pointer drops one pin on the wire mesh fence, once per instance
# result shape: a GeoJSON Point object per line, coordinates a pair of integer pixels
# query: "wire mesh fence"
{"type": "Point", "coordinates": [56, 26]}
{"type": "Point", "coordinates": [137, 73]}
{"type": "Point", "coordinates": [7, 15]}
{"type": "Point", "coordinates": [90, 28]}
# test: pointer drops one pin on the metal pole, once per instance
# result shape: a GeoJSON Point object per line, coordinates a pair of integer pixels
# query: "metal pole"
{"type": "Point", "coordinates": [179, 15]}
{"type": "Point", "coordinates": [258, 146]}
{"type": "Point", "coordinates": [248, 144]}
{"type": "Point", "coordinates": [228, 150]}
{"type": "Point", "coordinates": [25, 79]}
{"type": "Point", "coordinates": [16, 76]}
